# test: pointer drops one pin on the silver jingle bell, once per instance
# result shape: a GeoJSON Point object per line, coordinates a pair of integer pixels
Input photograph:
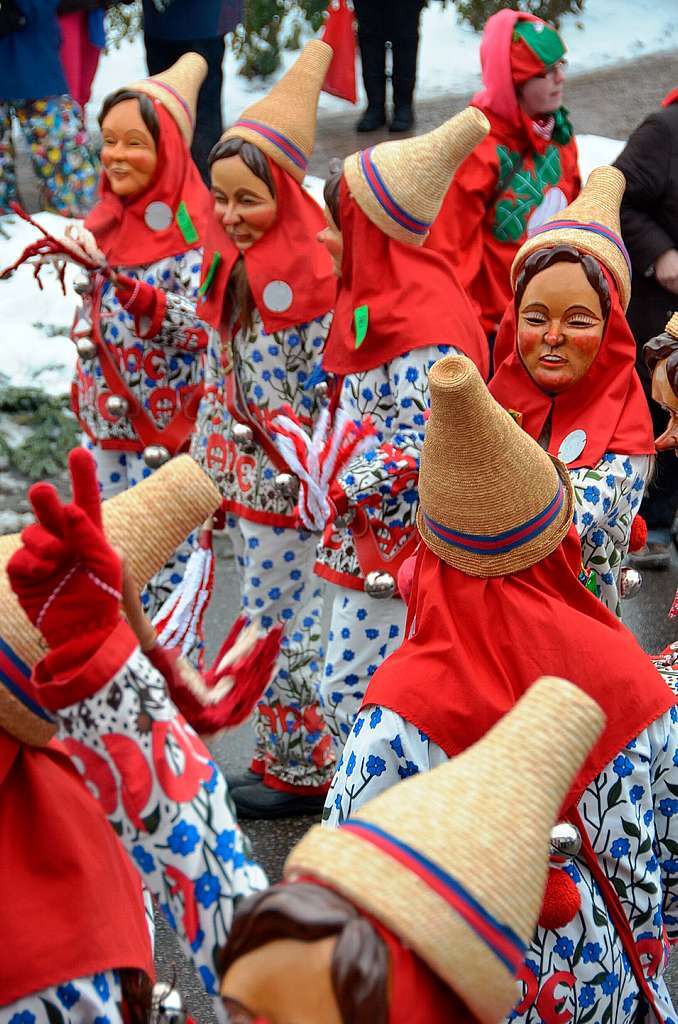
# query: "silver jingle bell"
{"type": "Point", "coordinates": [116, 406]}
{"type": "Point", "coordinates": [83, 285]}
{"type": "Point", "coordinates": [321, 390]}
{"type": "Point", "coordinates": [379, 584]}
{"type": "Point", "coordinates": [155, 455]}
{"type": "Point", "coordinates": [565, 839]}
{"type": "Point", "coordinates": [86, 348]}
{"type": "Point", "coordinates": [287, 485]}
{"type": "Point", "coordinates": [242, 435]}
{"type": "Point", "coordinates": [630, 583]}
{"type": "Point", "coordinates": [167, 1006]}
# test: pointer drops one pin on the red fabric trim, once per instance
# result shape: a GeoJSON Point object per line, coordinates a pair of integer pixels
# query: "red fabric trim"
{"type": "Point", "coordinates": [412, 294]}
{"type": "Point", "coordinates": [257, 765]}
{"type": "Point", "coordinates": [254, 515]}
{"type": "Point", "coordinates": [273, 782]}
{"type": "Point", "coordinates": [485, 623]}
{"type": "Point", "coordinates": [369, 554]}
{"type": "Point", "coordinates": [342, 579]}
{"type": "Point", "coordinates": [616, 912]}
{"type": "Point", "coordinates": [114, 444]}
{"type": "Point", "coordinates": [56, 693]}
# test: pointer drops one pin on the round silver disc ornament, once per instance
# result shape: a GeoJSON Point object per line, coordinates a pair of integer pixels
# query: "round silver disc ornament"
{"type": "Point", "coordinates": [278, 296]}
{"type": "Point", "coordinates": [572, 446]}
{"type": "Point", "coordinates": [158, 216]}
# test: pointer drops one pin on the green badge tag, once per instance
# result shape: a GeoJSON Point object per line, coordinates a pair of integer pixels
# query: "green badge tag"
{"type": "Point", "coordinates": [186, 225]}
{"type": "Point", "coordinates": [361, 319]}
{"type": "Point", "coordinates": [209, 279]}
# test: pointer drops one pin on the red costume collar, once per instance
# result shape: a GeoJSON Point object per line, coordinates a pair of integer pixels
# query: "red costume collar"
{"type": "Point", "coordinates": [467, 661]}
{"type": "Point", "coordinates": [176, 201]}
{"type": "Point", "coordinates": [70, 899]}
{"type": "Point", "coordinates": [607, 405]}
{"type": "Point", "coordinates": [289, 271]}
{"type": "Point", "coordinates": [405, 296]}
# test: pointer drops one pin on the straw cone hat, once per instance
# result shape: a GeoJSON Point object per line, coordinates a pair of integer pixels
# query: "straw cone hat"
{"type": "Point", "coordinates": [282, 124]}
{"type": "Point", "coordinates": [590, 224]}
{"type": "Point", "coordinates": [400, 185]}
{"type": "Point", "coordinates": [454, 861]}
{"type": "Point", "coordinates": [492, 501]}
{"type": "Point", "coordinates": [148, 522]}
{"type": "Point", "coordinates": [672, 326]}
{"type": "Point", "coordinates": [177, 89]}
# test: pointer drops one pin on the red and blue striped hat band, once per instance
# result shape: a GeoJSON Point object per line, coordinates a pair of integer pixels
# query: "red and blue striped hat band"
{"type": "Point", "coordinates": [501, 940]}
{"type": "Point", "coordinates": [379, 190]}
{"type": "Point", "coordinates": [15, 674]}
{"type": "Point", "coordinates": [178, 97]}
{"type": "Point", "coordinates": [593, 227]}
{"type": "Point", "coordinates": [499, 543]}
{"type": "Point", "coordinates": [281, 142]}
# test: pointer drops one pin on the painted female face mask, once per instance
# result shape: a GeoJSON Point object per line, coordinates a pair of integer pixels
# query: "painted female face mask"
{"type": "Point", "coordinates": [128, 152]}
{"type": "Point", "coordinates": [560, 327]}
{"type": "Point", "coordinates": [243, 203]}
{"type": "Point", "coordinates": [333, 241]}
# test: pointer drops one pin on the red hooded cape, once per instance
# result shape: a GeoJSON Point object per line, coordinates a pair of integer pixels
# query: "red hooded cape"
{"type": "Point", "coordinates": [70, 899]}
{"type": "Point", "coordinates": [287, 255]}
{"type": "Point", "coordinates": [473, 230]}
{"type": "Point", "coordinates": [479, 644]}
{"type": "Point", "coordinates": [120, 226]}
{"type": "Point", "coordinates": [608, 403]}
{"type": "Point", "coordinates": [412, 297]}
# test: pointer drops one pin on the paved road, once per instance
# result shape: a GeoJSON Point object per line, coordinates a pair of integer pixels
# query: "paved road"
{"type": "Point", "coordinates": [646, 616]}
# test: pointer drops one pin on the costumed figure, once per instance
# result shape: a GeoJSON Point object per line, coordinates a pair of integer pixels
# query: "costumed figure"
{"type": "Point", "coordinates": [496, 601]}
{"type": "Point", "coordinates": [524, 171]}
{"type": "Point", "coordinates": [565, 368]}
{"type": "Point", "coordinates": [143, 767]}
{"type": "Point", "coordinates": [661, 359]}
{"type": "Point", "coordinates": [419, 909]}
{"type": "Point", "coordinates": [139, 374]}
{"type": "Point", "coordinates": [399, 308]}
{"type": "Point", "coordinates": [268, 290]}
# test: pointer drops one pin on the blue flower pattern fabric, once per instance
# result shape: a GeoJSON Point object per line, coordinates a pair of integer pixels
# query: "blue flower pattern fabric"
{"type": "Point", "coordinates": [169, 803]}
{"type": "Point", "coordinates": [606, 500]}
{"type": "Point", "coordinates": [95, 1000]}
{"type": "Point", "coordinates": [630, 812]}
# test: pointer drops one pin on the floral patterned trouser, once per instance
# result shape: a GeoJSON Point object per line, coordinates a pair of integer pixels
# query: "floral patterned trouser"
{"type": "Point", "coordinates": [117, 471]}
{"type": "Point", "coordinates": [62, 157]}
{"type": "Point", "coordinates": [97, 998]}
{"type": "Point", "coordinates": [363, 631]}
{"type": "Point", "coordinates": [293, 744]}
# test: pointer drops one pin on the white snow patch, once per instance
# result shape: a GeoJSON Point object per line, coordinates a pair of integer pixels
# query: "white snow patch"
{"type": "Point", "coordinates": [607, 32]}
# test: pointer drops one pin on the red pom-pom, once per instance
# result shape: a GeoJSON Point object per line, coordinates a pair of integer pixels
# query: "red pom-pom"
{"type": "Point", "coordinates": [561, 900]}
{"type": "Point", "coordinates": [638, 538]}
{"type": "Point", "coordinates": [406, 577]}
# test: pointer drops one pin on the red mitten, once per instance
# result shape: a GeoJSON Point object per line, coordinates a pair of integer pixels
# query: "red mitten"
{"type": "Point", "coordinates": [638, 536]}
{"type": "Point", "coordinates": [146, 303]}
{"type": "Point", "coordinates": [66, 575]}
{"type": "Point", "coordinates": [406, 577]}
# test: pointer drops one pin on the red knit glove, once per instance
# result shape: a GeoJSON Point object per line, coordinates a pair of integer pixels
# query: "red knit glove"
{"type": "Point", "coordinates": [66, 576]}
{"type": "Point", "coordinates": [146, 303]}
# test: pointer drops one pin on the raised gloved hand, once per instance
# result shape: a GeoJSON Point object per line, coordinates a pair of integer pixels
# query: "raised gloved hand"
{"type": "Point", "coordinates": [66, 575]}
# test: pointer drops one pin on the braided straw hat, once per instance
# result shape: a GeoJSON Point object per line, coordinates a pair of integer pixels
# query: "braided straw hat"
{"type": "Point", "coordinates": [177, 89]}
{"type": "Point", "coordinates": [148, 522]}
{"type": "Point", "coordinates": [282, 124]}
{"type": "Point", "coordinates": [492, 502]}
{"type": "Point", "coordinates": [591, 224]}
{"type": "Point", "coordinates": [465, 897]}
{"type": "Point", "coordinates": [400, 185]}
{"type": "Point", "coordinates": [672, 326]}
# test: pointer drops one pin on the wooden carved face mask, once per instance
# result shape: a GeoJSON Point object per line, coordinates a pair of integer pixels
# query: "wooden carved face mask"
{"type": "Point", "coordinates": [560, 327]}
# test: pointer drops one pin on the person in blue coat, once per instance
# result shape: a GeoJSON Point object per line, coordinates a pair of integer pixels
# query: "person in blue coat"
{"type": "Point", "coordinates": [174, 27]}
{"type": "Point", "coordinates": [33, 91]}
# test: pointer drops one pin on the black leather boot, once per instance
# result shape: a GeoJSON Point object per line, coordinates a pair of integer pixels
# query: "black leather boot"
{"type": "Point", "coordinates": [373, 58]}
{"type": "Point", "coordinates": [404, 43]}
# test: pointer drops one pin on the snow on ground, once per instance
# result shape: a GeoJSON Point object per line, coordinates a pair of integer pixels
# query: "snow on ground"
{"type": "Point", "coordinates": [607, 32]}
{"type": "Point", "coordinates": [34, 344]}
